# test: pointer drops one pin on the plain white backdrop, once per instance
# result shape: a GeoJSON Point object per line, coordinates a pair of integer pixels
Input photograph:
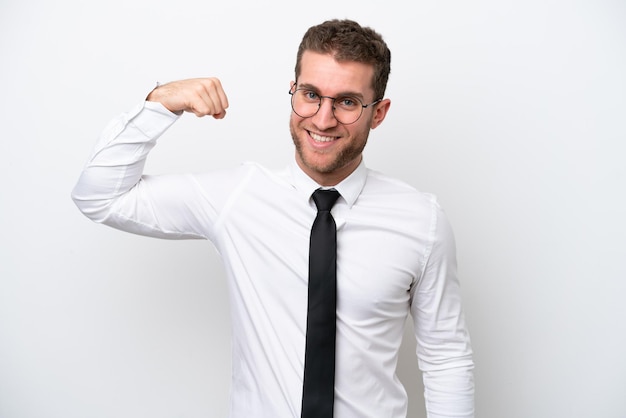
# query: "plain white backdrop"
{"type": "Point", "coordinates": [513, 113]}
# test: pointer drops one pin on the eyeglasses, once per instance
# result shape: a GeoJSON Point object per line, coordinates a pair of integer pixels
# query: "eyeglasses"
{"type": "Point", "coordinates": [346, 109]}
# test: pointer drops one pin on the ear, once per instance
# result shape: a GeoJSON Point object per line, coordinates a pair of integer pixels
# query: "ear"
{"type": "Point", "coordinates": [380, 111]}
{"type": "Point", "coordinates": [291, 85]}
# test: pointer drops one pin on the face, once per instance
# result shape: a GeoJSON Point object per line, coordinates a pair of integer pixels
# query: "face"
{"type": "Point", "coordinates": [326, 150]}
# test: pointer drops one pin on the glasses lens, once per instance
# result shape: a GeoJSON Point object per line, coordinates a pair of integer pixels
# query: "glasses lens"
{"type": "Point", "coordinates": [305, 103]}
{"type": "Point", "coordinates": [346, 109]}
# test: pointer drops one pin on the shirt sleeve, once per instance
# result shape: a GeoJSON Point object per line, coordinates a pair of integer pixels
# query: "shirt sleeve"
{"type": "Point", "coordinates": [443, 344]}
{"type": "Point", "coordinates": [113, 190]}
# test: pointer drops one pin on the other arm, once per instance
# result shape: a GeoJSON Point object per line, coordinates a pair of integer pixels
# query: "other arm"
{"type": "Point", "coordinates": [443, 343]}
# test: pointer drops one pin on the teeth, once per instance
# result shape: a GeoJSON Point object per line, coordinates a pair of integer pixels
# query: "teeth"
{"type": "Point", "coordinates": [319, 138]}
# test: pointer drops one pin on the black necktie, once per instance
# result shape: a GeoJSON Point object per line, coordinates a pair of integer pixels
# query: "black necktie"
{"type": "Point", "coordinates": [319, 359]}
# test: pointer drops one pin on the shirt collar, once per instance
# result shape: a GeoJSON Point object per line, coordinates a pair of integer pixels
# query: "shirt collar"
{"type": "Point", "coordinates": [350, 188]}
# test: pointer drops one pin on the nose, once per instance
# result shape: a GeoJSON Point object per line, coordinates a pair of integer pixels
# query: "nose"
{"type": "Point", "coordinates": [325, 117]}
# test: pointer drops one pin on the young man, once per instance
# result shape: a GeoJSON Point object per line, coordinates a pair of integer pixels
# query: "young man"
{"type": "Point", "coordinates": [395, 250]}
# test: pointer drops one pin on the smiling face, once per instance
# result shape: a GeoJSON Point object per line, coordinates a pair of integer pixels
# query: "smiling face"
{"type": "Point", "coordinates": [326, 150]}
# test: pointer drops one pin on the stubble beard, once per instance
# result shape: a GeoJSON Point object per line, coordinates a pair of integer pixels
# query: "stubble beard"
{"type": "Point", "coordinates": [342, 158]}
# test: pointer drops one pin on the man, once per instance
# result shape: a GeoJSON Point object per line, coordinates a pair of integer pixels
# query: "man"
{"type": "Point", "coordinates": [395, 250]}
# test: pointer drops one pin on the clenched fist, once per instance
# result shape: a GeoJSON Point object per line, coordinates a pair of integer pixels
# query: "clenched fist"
{"type": "Point", "coordinates": [200, 96]}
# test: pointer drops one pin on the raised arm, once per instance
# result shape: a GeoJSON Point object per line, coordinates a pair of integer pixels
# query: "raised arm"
{"type": "Point", "coordinates": [112, 188]}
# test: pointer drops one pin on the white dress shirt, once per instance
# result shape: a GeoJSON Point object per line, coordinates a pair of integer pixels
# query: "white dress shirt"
{"type": "Point", "coordinates": [395, 256]}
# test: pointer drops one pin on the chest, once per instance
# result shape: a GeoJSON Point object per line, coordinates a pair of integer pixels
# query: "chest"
{"type": "Point", "coordinates": [378, 256]}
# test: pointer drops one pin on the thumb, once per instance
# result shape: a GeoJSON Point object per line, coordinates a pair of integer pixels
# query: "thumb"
{"type": "Point", "coordinates": [220, 115]}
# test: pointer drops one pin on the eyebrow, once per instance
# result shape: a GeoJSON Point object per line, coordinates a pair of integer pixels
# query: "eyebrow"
{"type": "Point", "coordinates": [342, 94]}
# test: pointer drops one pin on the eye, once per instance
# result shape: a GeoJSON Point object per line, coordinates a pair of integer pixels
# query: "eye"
{"type": "Point", "coordinates": [347, 102]}
{"type": "Point", "coordinates": [309, 95]}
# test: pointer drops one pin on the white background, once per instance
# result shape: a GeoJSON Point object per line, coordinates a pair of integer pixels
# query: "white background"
{"type": "Point", "coordinates": [512, 112]}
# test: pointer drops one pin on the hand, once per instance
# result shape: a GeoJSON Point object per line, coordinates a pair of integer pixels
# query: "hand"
{"type": "Point", "coordinates": [200, 96]}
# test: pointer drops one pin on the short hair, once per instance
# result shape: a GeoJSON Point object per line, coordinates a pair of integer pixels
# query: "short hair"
{"type": "Point", "coordinates": [346, 40]}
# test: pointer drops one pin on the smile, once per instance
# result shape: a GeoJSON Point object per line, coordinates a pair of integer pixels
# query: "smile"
{"type": "Point", "coordinates": [320, 138]}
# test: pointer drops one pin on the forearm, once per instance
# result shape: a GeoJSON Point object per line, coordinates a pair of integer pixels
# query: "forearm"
{"type": "Point", "coordinates": [445, 353]}
{"type": "Point", "coordinates": [446, 360]}
{"type": "Point", "coordinates": [450, 393]}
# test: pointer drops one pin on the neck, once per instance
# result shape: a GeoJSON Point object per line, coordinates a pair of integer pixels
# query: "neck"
{"type": "Point", "coordinates": [331, 178]}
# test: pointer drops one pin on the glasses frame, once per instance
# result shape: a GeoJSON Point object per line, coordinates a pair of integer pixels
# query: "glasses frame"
{"type": "Point", "coordinates": [363, 106]}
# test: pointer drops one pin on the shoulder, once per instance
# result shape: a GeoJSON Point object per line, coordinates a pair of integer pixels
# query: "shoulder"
{"type": "Point", "coordinates": [404, 203]}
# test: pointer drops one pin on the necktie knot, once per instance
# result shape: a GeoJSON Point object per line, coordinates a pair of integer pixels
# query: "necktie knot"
{"type": "Point", "coordinates": [325, 199]}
